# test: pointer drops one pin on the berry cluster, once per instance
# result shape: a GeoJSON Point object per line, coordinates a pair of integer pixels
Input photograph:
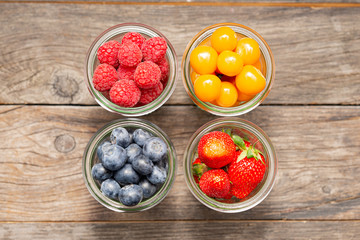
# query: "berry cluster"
{"type": "Point", "coordinates": [132, 72]}
{"type": "Point", "coordinates": [225, 70]}
{"type": "Point", "coordinates": [132, 165]}
{"type": "Point", "coordinates": [227, 166]}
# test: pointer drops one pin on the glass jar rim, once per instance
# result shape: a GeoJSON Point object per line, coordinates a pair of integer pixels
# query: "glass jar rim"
{"type": "Point", "coordinates": [90, 153]}
{"type": "Point", "coordinates": [111, 33]}
{"type": "Point", "coordinates": [247, 106]}
{"type": "Point", "coordinates": [268, 183]}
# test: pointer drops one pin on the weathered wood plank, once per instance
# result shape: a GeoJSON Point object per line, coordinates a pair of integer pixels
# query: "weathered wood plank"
{"type": "Point", "coordinates": [42, 52]}
{"type": "Point", "coordinates": [204, 2]}
{"type": "Point", "coordinates": [318, 150]}
{"type": "Point", "coordinates": [183, 230]}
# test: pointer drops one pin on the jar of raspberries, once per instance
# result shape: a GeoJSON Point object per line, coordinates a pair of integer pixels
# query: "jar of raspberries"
{"type": "Point", "coordinates": [130, 69]}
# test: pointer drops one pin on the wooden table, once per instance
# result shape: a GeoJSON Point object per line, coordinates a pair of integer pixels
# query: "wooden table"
{"type": "Point", "coordinates": [312, 115]}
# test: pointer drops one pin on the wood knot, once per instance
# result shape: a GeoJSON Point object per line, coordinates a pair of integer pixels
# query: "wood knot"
{"type": "Point", "coordinates": [64, 143]}
{"type": "Point", "coordinates": [64, 85]}
{"type": "Point", "coordinates": [326, 189]}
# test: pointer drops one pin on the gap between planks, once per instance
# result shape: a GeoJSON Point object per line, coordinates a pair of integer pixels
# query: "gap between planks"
{"type": "Point", "coordinates": [245, 4]}
{"type": "Point", "coordinates": [192, 220]}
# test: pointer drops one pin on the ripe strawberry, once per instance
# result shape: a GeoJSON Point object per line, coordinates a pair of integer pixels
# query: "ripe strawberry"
{"type": "Point", "coordinates": [198, 168]}
{"type": "Point", "coordinates": [242, 191]}
{"type": "Point", "coordinates": [246, 172]}
{"type": "Point", "coordinates": [215, 183]}
{"type": "Point", "coordinates": [216, 149]}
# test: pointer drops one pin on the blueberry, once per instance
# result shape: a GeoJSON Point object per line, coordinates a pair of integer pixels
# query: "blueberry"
{"type": "Point", "coordinates": [120, 136]}
{"type": "Point", "coordinates": [131, 131]}
{"type": "Point", "coordinates": [142, 165]}
{"type": "Point", "coordinates": [100, 151]}
{"type": "Point", "coordinates": [132, 151]}
{"type": "Point", "coordinates": [114, 157]}
{"type": "Point", "coordinates": [110, 188]}
{"type": "Point", "coordinates": [140, 136]}
{"type": "Point", "coordinates": [155, 149]}
{"type": "Point", "coordinates": [126, 175]}
{"type": "Point", "coordinates": [157, 176]}
{"type": "Point", "coordinates": [99, 172]}
{"type": "Point", "coordinates": [131, 195]}
{"type": "Point", "coordinates": [148, 188]}
{"type": "Point", "coordinates": [163, 163]}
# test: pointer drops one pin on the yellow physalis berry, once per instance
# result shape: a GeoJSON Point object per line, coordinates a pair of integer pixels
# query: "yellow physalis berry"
{"type": "Point", "coordinates": [229, 63]}
{"type": "Point", "coordinates": [207, 87]}
{"type": "Point", "coordinates": [228, 95]}
{"type": "Point", "coordinates": [223, 38]}
{"type": "Point", "coordinates": [249, 50]}
{"type": "Point", "coordinates": [250, 81]}
{"type": "Point", "coordinates": [203, 59]}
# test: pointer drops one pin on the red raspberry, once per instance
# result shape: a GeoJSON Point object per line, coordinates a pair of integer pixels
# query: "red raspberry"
{"type": "Point", "coordinates": [133, 37]}
{"type": "Point", "coordinates": [165, 68]}
{"type": "Point", "coordinates": [149, 95]}
{"type": "Point", "coordinates": [126, 72]}
{"type": "Point", "coordinates": [129, 55]}
{"type": "Point", "coordinates": [108, 53]}
{"type": "Point", "coordinates": [147, 75]}
{"type": "Point", "coordinates": [154, 49]}
{"type": "Point", "coordinates": [104, 77]}
{"type": "Point", "coordinates": [125, 93]}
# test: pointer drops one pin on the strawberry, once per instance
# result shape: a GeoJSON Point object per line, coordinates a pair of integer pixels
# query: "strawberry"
{"type": "Point", "coordinates": [241, 191]}
{"type": "Point", "coordinates": [198, 168]}
{"type": "Point", "coordinates": [246, 172]}
{"type": "Point", "coordinates": [215, 183]}
{"type": "Point", "coordinates": [216, 149]}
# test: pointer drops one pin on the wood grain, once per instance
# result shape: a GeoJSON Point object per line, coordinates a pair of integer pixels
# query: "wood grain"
{"type": "Point", "coordinates": [183, 230]}
{"type": "Point", "coordinates": [316, 49]}
{"type": "Point", "coordinates": [40, 168]}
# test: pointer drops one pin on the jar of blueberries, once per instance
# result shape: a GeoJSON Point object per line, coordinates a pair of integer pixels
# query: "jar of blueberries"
{"type": "Point", "coordinates": [129, 165]}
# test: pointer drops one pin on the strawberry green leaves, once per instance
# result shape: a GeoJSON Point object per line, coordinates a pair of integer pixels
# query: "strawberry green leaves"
{"type": "Point", "coordinates": [238, 141]}
{"type": "Point", "coordinates": [198, 169]}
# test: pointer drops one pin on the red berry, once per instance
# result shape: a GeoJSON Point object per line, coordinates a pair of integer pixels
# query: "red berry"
{"type": "Point", "coordinates": [125, 93]}
{"type": "Point", "coordinates": [108, 53]}
{"type": "Point", "coordinates": [247, 172]}
{"type": "Point", "coordinates": [242, 191]}
{"type": "Point", "coordinates": [215, 183]}
{"type": "Point", "coordinates": [133, 37]}
{"type": "Point", "coordinates": [154, 49]}
{"type": "Point", "coordinates": [149, 95]}
{"type": "Point", "coordinates": [126, 72]}
{"type": "Point", "coordinates": [164, 68]}
{"type": "Point", "coordinates": [147, 75]}
{"type": "Point", "coordinates": [104, 77]}
{"type": "Point", "coordinates": [216, 149]}
{"type": "Point", "coordinates": [129, 55]}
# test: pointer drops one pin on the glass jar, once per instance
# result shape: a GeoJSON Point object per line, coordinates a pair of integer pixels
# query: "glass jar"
{"type": "Point", "coordinates": [267, 68]}
{"type": "Point", "coordinates": [90, 158]}
{"type": "Point", "coordinates": [116, 33]}
{"type": "Point", "coordinates": [256, 136]}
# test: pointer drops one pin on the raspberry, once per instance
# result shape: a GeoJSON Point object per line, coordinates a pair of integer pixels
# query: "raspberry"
{"type": "Point", "coordinates": [165, 68]}
{"type": "Point", "coordinates": [133, 37]}
{"type": "Point", "coordinates": [149, 95]}
{"type": "Point", "coordinates": [154, 49]}
{"type": "Point", "coordinates": [108, 53]}
{"type": "Point", "coordinates": [104, 77]}
{"type": "Point", "coordinates": [147, 75]}
{"type": "Point", "coordinates": [126, 72]}
{"type": "Point", "coordinates": [125, 93]}
{"type": "Point", "coordinates": [129, 55]}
